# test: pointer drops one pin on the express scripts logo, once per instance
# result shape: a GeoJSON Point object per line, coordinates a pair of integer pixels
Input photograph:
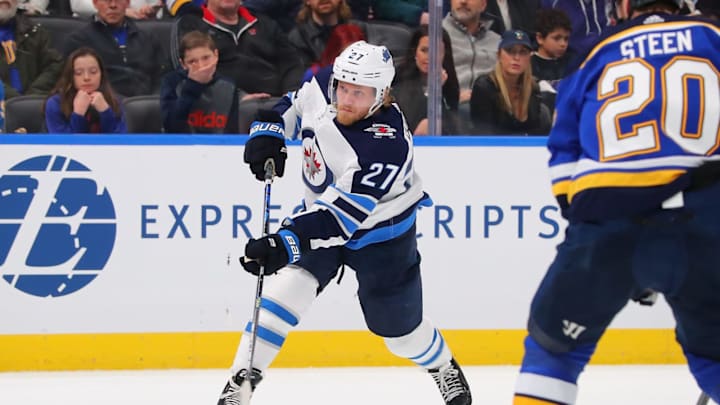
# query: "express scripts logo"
{"type": "Point", "coordinates": [57, 226]}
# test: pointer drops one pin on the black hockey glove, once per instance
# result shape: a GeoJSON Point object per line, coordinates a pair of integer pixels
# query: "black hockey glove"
{"type": "Point", "coordinates": [274, 252]}
{"type": "Point", "coordinates": [704, 175]}
{"type": "Point", "coordinates": [267, 141]}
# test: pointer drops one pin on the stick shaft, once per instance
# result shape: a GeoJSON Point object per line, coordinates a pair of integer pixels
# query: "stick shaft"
{"type": "Point", "coordinates": [269, 173]}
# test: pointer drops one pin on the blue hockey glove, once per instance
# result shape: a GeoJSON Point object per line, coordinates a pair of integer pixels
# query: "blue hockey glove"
{"type": "Point", "coordinates": [267, 141]}
{"type": "Point", "coordinates": [274, 252]}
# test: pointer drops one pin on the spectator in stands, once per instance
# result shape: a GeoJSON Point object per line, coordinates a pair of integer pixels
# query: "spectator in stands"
{"type": "Point", "coordinates": [551, 58]}
{"type": "Point", "coordinates": [33, 7]}
{"type": "Point", "coordinates": [340, 37]}
{"type": "Point", "coordinates": [315, 21]}
{"type": "Point", "coordinates": [137, 9]}
{"type": "Point", "coordinates": [135, 59]}
{"type": "Point", "coordinates": [553, 33]}
{"type": "Point", "coordinates": [408, 12]}
{"type": "Point", "coordinates": [253, 50]}
{"type": "Point", "coordinates": [512, 15]}
{"type": "Point", "coordinates": [507, 101]}
{"type": "Point", "coordinates": [83, 100]}
{"type": "Point", "coordinates": [195, 99]}
{"type": "Point", "coordinates": [30, 65]}
{"type": "Point", "coordinates": [709, 8]}
{"type": "Point", "coordinates": [474, 46]}
{"type": "Point", "coordinates": [410, 89]}
{"type": "Point", "coordinates": [284, 12]}
{"type": "Point", "coordinates": [59, 8]}
{"type": "Point", "coordinates": [589, 19]}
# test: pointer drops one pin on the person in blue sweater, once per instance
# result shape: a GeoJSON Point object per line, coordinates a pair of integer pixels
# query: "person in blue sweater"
{"type": "Point", "coordinates": [83, 100]}
{"type": "Point", "coordinates": [195, 98]}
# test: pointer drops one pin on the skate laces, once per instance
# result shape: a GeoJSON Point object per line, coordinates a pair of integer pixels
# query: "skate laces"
{"type": "Point", "coordinates": [231, 393]}
{"type": "Point", "coordinates": [448, 380]}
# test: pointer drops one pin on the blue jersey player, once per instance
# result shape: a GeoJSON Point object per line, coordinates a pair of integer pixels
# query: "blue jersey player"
{"type": "Point", "coordinates": [635, 164]}
{"type": "Point", "coordinates": [361, 196]}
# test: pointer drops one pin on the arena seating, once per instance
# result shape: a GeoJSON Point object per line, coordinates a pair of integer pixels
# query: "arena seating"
{"type": "Point", "coordinates": [25, 112]}
{"type": "Point", "coordinates": [142, 114]}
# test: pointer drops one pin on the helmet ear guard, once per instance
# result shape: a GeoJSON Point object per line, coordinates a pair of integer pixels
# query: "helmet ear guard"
{"type": "Point", "coordinates": [365, 65]}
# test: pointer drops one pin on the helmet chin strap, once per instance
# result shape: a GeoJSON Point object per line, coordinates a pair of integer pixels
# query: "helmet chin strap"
{"type": "Point", "coordinates": [378, 103]}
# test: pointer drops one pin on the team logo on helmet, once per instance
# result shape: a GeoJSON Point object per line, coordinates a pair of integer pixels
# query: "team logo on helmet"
{"type": "Point", "coordinates": [386, 55]}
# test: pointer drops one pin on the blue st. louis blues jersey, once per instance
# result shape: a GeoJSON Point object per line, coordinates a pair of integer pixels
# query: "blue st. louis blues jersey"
{"type": "Point", "coordinates": [642, 108]}
{"type": "Point", "coordinates": [360, 184]}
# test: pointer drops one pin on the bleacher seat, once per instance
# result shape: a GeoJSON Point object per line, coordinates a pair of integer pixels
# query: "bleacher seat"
{"type": "Point", "coordinates": [25, 112]}
{"type": "Point", "coordinates": [247, 109]}
{"type": "Point", "coordinates": [160, 28]}
{"type": "Point", "coordinates": [142, 114]}
{"type": "Point", "coordinates": [59, 28]}
{"type": "Point", "coordinates": [395, 36]}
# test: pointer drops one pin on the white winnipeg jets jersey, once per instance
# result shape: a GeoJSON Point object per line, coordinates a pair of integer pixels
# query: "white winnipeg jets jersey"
{"type": "Point", "coordinates": [360, 184]}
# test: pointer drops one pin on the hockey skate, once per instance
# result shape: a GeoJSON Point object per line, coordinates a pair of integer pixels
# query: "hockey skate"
{"type": "Point", "coordinates": [452, 384]}
{"type": "Point", "coordinates": [231, 392]}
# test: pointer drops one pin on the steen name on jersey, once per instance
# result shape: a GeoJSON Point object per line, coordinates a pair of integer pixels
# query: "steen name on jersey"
{"type": "Point", "coordinates": [657, 43]}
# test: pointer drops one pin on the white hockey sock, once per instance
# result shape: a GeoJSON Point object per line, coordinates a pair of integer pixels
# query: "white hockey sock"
{"type": "Point", "coordinates": [539, 389]}
{"type": "Point", "coordinates": [286, 296]}
{"type": "Point", "coordinates": [425, 346]}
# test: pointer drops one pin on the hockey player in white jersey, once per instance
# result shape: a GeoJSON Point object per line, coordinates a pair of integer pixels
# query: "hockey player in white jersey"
{"type": "Point", "coordinates": [361, 197]}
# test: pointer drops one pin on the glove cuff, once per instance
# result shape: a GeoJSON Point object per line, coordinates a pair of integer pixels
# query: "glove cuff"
{"type": "Point", "coordinates": [272, 129]}
{"type": "Point", "coordinates": [292, 244]}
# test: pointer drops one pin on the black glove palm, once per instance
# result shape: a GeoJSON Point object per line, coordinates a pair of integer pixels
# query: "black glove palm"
{"type": "Point", "coordinates": [272, 252]}
{"type": "Point", "coordinates": [267, 141]}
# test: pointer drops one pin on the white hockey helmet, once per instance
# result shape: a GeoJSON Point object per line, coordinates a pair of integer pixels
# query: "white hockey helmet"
{"type": "Point", "coordinates": [366, 65]}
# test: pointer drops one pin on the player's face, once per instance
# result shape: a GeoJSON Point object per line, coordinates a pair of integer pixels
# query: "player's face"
{"type": "Point", "coordinates": [422, 54]}
{"type": "Point", "coordinates": [515, 60]}
{"type": "Point", "coordinates": [198, 58]}
{"type": "Point", "coordinates": [555, 43]}
{"type": "Point", "coordinates": [353, 102]}
{"type": "Point", "coordinates": [112, 12]}
{"type": "Point", "coordinates": [86, 73]}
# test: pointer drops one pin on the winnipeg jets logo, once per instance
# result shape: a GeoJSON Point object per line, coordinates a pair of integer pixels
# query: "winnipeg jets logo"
{"type": "Point", "coordinates": [311, 164]}
{"type": "Point", "coordinates": [381, 131]}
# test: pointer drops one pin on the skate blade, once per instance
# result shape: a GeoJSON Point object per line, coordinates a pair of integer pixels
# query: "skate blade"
{"type": "Point", "coordinates": [245, 392]}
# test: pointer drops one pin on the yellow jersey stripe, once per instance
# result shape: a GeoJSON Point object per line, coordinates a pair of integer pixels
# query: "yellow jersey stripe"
{"type": "Point", "coordinates": [521, 400]}
{"type": "Point", "coordinates": [615, 179]}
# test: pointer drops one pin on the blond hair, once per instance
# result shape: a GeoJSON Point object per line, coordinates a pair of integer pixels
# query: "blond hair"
{"type": "Point", "coordinates": [519, 111]}
{"type": "Point", "coordinates": [344, 12]}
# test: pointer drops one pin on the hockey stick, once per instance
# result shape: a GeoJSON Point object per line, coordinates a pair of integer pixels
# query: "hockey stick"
{"type": "Point", "coordinates": [703, 400]}
{"type": "Point", "coordinates": [246, 386]}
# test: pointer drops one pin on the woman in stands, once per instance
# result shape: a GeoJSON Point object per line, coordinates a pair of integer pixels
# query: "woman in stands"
{"type": "Point", "coordinates": [83, 100]}
{"type": "Point", "coordinates": [507, 101]}
{"type": "Point", "coordinates": [411, 85]}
